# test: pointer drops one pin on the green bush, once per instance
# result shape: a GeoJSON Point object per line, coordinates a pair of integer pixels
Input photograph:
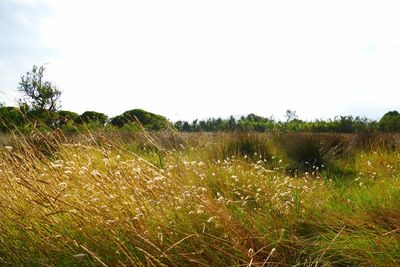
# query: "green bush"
{"type": "Point", "coordinates": [148, 120]}
{"type": "Point", "coordinates": [10, 118]}
{"type": "Point", "coordinates": [69, 128]}
{"type": "Point", "coordinates": [92, 117]}
{"type": "Point", "coordinates": [65, 116]}
{"type": "Point", "coordinates": [43, 118]}
{"type": "Point", "coordinates": [390, 122]}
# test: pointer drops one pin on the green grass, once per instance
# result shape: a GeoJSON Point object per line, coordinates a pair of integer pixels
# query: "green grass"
{"type": "Point", "coordinates": [166, 199]}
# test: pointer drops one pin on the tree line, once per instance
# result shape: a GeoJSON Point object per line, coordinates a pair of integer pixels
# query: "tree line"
{"type": "Point", "coordinates": [390, 122]}
{"type": "Point", "coordinates": [39, 108]}
{"type": "Point", "coordinates": [15, 118]}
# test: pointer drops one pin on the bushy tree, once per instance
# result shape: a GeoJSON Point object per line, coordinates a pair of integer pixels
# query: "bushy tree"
{"type": "Point", "coordinates": [149, 120]}
{"type": "Point", "coordinates": [92, 117]}
{"type": "Point", "coordinates": [38, 94]}
{"type": "Point", "coordinates": [66, 117]}
{"type": "Point", "coordinates": [390, 122]}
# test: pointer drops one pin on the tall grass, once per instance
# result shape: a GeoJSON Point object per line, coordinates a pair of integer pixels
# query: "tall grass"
{"type": "Point", "coordinates": [313, 151]}
{"type": "Point", "coordinates": [249, 145]}
{"type": "Point", "coordinates": [101, 199]}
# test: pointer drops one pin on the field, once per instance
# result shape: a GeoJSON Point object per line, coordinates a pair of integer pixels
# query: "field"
{"type": "Point", "coordinates": [174, 199]}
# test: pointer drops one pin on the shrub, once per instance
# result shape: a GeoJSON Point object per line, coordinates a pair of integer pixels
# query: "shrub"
{"type": "Point", "coordinates": [42, 119]}
{"type": "Point", "coordinates": [92, 117]}
{"type": "Point", "coordinates": [309, 151]}
{"type": "Point", "coordinates": [69, 128]}
{"type": "Point", "coordinates": [148, 120]}
{"type": "Point", "coordinates": [10, 117]}
{"type": "Point", "coordinates": [65, 116]}
{"type": "Point", "coordinates": [390, 122]}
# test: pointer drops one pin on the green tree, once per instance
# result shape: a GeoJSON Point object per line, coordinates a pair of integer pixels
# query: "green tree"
{"type": "Point", "coordinates": [390, 122]}
{"type": "Point", "coordinates": [92, 117]}
{"type": "Point", "coordinates": [65, 117]}
{"type": "Point", "coordinates": [38, 94]}
{"type": "Point", "coordinates": [148, 120]}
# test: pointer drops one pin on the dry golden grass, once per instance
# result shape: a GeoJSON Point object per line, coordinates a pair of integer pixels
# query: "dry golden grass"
{"type": "Point", "coordinates": [172, 200]}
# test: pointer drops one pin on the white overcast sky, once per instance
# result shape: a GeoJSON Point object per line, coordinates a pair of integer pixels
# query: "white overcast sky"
{"type": "Point", "coordinates": [208, 58]}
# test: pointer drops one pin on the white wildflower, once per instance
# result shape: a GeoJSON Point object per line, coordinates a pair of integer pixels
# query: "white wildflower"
{"type": "Point", "coordinates": [80, 255]}
{"type": "Point", "coordinates": [63, 185]}
{"type": "Point", "coordinates": [95, 173]}
{"type": "Point", "coordinates": [56, 166]}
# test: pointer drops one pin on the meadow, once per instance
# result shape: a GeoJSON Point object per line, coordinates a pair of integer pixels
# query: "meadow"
{"type": "Point", "coordinates": [199, 199]}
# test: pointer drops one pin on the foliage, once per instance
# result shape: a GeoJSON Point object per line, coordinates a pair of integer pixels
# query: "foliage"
{"type": "Point", "coordinates": [92, 117]}
{"type": "Point", "coordinates": [38, 94]}
{"type": "Point", "coordinates": [66, 115]}
{"type": "Point", "coordinates": [252, 122]}
{"type": "Point", "coordinates": [148, 120]}
{"type": "Point", "coordinates": [137, 118]}
{"type": "Point", "coordinates": [390, 122]}
{"type": "Point", "coordinates": [10, 118]}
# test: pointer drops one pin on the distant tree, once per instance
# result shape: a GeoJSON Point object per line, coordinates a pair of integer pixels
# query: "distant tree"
{"type": "Point", "coordinates": [183, 126]}
{"type": "Point", "coordinates": [195, 125]}
{"type": "Point", "coordinates": [118, 121]}
{"type": "Point", "coordinates": [231, 123]}
{"type": "Point", "coordinates": [344, 124]}
{"type": "Point", "coordinates": [255, 118]}
{"type": "Point", "coordinates": [68, 115]}
{"type": "Point", "coordinates": [290, 115]}
{"type": "Point", "coordinates": [92, 116]}
{"type": "Point", "coordinates": [38, 94]}
{"type": "Point", "coordinates": [147, 119]}
{"type": "Point", "coordinates": [390, 122]}
{"type": "Point", "coordinates": [65, 116]}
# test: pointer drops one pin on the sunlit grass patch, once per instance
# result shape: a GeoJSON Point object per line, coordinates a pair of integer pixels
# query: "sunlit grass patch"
{"type": "Point", "coordinates": [98, 202]}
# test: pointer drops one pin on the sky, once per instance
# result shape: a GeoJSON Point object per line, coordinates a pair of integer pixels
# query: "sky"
{"type": "Point", "coordinates": [188, 59]}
